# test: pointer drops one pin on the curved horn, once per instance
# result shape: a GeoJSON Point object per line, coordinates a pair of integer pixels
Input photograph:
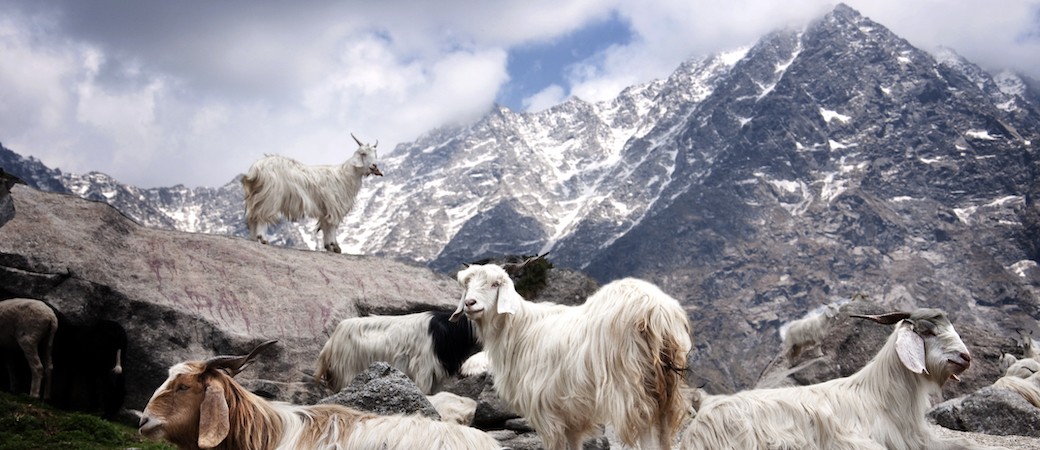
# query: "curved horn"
{"type": "Point", "coordinates": [357, 140]}
{"type": "Point", "coordinates": [235, 364]}
{"type": "Point", "coordinates": [884, 319]}
{"type": "Point", "coordinates": [514, 268]}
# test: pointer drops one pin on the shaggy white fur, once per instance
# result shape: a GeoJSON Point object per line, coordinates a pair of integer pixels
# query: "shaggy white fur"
{"type": "Point", "coordinates": [454, 408]}
{"type": "Point", "coordinates": [618, 359]}
{"type": "Point", "coordinates": [277, 186]}
{"type": "Point", "coordinates": [200, 405]}
{"type": "Point", "coordinates": [405, 342]}
{"type": "Point", "coordinates": [806, 332]}
{"type": "Point", "coordinates": [882, 406]}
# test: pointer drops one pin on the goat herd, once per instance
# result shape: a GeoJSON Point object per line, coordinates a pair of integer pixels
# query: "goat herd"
{"type": "Point", "coordinates": [618, 360]}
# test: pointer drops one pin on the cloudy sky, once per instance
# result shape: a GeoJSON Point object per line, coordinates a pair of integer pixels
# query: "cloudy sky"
{"type": "Point", "coordinates": [158, 93]}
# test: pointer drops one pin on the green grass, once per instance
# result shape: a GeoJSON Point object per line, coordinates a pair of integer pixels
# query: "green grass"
{"type": "Point", "coordinates": [31, 424]}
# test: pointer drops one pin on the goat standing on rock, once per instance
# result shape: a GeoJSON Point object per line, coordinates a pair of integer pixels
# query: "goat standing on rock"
{"type": "Point", "coordinates": [278, 186]}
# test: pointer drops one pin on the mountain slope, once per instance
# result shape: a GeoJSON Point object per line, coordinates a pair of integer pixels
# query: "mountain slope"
{"type": "Point", "coordinates": [839, 160]}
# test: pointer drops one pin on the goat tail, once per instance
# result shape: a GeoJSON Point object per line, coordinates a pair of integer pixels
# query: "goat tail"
{"type": "Point", "coordinates": [323, 373]}
{"type": "Point", "coordinates": [667, 331]}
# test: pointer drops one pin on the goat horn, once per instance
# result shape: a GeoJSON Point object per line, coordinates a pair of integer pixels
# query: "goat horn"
{"type": "Point", "coordinates": [376, 144]}
{"type": "Point", "coordinates": [357, 140]}
{"type": "Point", "coordinates": [235, 364]}
{"type": "Point", "coordinates": [884, 319]}
{"type": "Point", "coordinates": [513, 268]}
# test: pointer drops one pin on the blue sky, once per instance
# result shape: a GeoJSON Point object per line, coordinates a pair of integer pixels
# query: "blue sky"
{"type": "Point", "coordinates": [158, 93]}
{"type": "Point", "coordinates": [537, 66]}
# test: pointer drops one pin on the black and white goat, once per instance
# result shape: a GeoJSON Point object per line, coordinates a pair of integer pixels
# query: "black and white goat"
{"type": "Point", "coordinates": [426, 346]}
{"type": "Point", "coordinates": [88, 366]}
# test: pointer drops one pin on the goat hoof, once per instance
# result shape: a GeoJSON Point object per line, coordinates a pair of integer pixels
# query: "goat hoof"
{"type": "Point", "coordinates": [333, 248]}
{"type": "Point", "coordinates": [261, 240]}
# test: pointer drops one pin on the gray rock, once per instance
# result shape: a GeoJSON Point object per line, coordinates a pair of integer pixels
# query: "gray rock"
{"type": "Point", "coordinates": [184, 296]}
{"type": "Point", "coordinates": [6, 206]}
{"type": "Point", "coordinates": [383, 390]}
{"type": "Point", "coordinates": [990, 410]}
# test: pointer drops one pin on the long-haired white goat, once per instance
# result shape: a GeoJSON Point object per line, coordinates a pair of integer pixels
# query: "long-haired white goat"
{"type": "Point", "coordinates": [806, 332]}
{"type": "Point", "coordinates": [201, 406]}
{"type": "Point", "coordinates": [617, 359]}
{"type": "Point", "coordinates": [882, 406]}
{"type": "Point", "coordinates": [277, 186]}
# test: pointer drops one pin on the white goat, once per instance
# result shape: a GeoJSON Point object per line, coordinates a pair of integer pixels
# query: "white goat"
{"type": "Point", "coordinates": [1028, 387]}
{"type": "Point", "coordinates": [806, 332]}
{"type": "Point", "coordinates": [617, 359]}
{"type": "Point", "coordinates": [201, 406]}
{"type": "Point", "coordinates": [278, 186]}
{"type": "Point", "coordinates": [454, 408]}
{"type": "Point", "coordinates": [29, 326]}
{"type": "Point", "coordinates": [882, 406]}
{"type": "Point", "coordinates": [425, 346]}
{"type": "Point", "coordinates": [1021, 368]}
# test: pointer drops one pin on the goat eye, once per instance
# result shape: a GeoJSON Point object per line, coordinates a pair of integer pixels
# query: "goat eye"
{"type": "Point", "coordinates": [182, 387]}
{"type": "Point", "coordinates": [495, 284]}
{"type": "Point", "coordinates": [925, 328]}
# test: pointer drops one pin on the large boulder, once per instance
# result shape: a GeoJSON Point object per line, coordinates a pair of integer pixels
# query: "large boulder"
{"type": "Point", "coordinates": [383, 390]}
{"type": "Point", "coordinates": [990, 410]}
{"type": "Point", "coordinates": [185, 296]}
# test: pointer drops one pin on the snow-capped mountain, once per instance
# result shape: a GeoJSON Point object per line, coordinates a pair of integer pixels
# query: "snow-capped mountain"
{"type": "Point", "coordinates": [819, 163]}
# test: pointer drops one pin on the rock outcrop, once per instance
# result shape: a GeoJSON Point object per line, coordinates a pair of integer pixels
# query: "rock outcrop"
{"type": "Point", "coordinates": [184, 296]}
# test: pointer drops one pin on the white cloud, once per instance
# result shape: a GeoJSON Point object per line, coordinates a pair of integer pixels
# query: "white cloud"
{"type": "Point", "coordinates": [548, 97]}
{"type": "Point", "coordinates": [161, 93]}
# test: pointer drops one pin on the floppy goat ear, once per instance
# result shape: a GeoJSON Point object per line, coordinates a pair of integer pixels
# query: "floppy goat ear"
{"type": "Point", "coordinates": [508, 299]}
{"type": "Point", "coordinates": [909, 344]}
{"type": "Point", "coordinates": [910, 348]}
{"type": "Point", "coordinates": [214, 423]}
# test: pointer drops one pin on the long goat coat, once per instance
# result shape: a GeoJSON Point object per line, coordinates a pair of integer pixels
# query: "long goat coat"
{"type": "Point", "coordinates": [424, 346]}
{"type": "Point", "coordinates": [277, 186]}
{"type": "Point", "coordinates": [200, 405]}
{"type": "Point", "coordinates": [880, 407]}
{"type": "Point", "coordinates": [617, 359]}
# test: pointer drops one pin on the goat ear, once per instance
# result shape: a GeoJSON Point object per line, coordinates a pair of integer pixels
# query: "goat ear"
{"type": "Point", "coordinates": [910, 348]}
{"type": "Point", "coordinates": [214, 423]}
{"type": "Point", "coordinates": [508, 299]}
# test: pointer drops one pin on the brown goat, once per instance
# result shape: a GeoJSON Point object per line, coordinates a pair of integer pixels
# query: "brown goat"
{"type": "Point", "coordinates": [200, 406]}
